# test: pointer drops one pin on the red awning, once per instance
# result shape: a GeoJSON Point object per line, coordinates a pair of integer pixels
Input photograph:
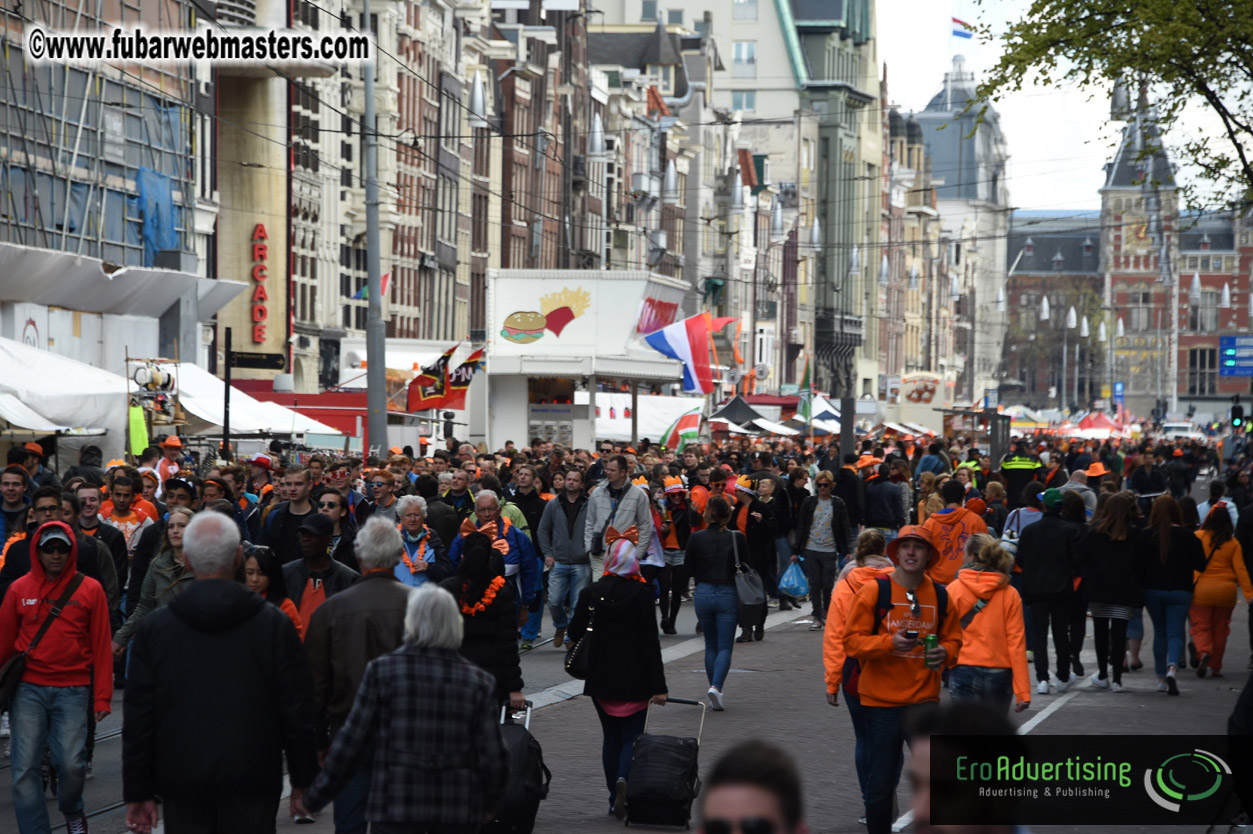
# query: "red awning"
{"type": "Point", "coordinates": [783, 401]}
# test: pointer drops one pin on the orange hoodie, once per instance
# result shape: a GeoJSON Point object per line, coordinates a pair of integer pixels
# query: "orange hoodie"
{"type": "Point", "coordinates": [995, 637]}
{"type": "Point", "coordinates": [846, 587]}
{"type": "Point", "coordinates": [1226, 569]}
{"type": "Point", "coordinates": [889, 679]}
{"type": "Point", "coordinates": [949, 531]}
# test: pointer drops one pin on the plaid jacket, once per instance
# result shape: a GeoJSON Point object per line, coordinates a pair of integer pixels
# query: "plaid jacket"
{"type": "Point", "coordinates": [430, 718]}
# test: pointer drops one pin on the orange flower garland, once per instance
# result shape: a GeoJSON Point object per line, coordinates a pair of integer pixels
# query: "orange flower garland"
{"type": "Point", "coordinates": [493, 588]}
{"type": "Point", "coordinates": [404, 554]}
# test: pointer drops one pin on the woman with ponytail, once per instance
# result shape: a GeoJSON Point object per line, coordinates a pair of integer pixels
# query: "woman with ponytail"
{"type": "Point", "coordinates": [1216, 586]}
{"type": "Point", "coordinates": [489, 613]}
{"type": "Point", "coordinates": [992, 664]}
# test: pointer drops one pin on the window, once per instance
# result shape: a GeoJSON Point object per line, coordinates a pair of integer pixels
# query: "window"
{"type": "Point", "coordinates": [1203, 371]}
{"type": "Point", "coordinates": [744, 10]}
{"type": "Point", "coordinates": [1139, 304]}
{"type": "Point", "coordinates": [1204, 316]}
{"type": "Point", "coordinates": [744, 59]}
{"type": "Point", "coordinates": [664, 73]}
{"type": "Point", "coordinates": [743, 100]}
{"type": "Point", "coordinates": [700, 27]}
{"type": "Point", "coordinates": [648, 10]}
{"type": "Point", "coordinates": [674, 17]}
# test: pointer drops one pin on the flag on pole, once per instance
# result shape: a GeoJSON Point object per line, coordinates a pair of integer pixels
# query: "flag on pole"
{"type": "Point", "coordinates": [364, 292]}
{"type": "Point", "coordinates": [962, 29]}
{"type": "Point", "coordinates": [682, 431]}
{"type": "Point", "coordinates": [459, 380]}
{"type": "Point", "coordinates": [806, 404]}
{"type": "Point", "coordinates": [429, 389]}
{"type": "Point", "coordinates": [688, 341]}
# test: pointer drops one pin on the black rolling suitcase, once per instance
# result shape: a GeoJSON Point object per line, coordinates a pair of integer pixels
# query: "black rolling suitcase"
{"type": "Point", "coordinates": [528, 779]}
{"type": "Point", "coordinates": [664, 776]}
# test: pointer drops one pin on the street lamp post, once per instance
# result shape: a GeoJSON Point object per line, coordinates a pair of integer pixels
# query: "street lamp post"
{"type": "Point", "coordinates": [1067, 326]}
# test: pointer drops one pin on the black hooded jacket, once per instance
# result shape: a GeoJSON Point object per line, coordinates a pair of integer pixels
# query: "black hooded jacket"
{"type": "Point", "coordinates": [491, 637]}
{"type": "Point", "coordinates": [221, 673]}
{"type": "Point", "coordinates": [89, 466]}
{"type": "Point", "coordinates": [626, 652]}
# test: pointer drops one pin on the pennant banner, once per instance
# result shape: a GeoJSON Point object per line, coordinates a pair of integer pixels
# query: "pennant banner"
{"type": "Point", "coordinates": [430, 388]}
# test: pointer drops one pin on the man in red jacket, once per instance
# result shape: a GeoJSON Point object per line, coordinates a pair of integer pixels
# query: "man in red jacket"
{"type": "Point", "coordinates": [69, 671]}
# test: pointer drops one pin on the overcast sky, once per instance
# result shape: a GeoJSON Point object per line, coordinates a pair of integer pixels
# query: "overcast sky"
{"type": "Point", "coordinates": [1058, 139]}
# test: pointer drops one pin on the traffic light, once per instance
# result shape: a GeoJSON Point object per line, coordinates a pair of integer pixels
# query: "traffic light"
{"type": "Point", "coordinates": [1237, 416]}
{"type": "Point", "coordinates": [449, 431]}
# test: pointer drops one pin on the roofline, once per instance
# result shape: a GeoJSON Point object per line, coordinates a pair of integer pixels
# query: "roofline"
{"type": "Point", "coordinates": [794, 54]}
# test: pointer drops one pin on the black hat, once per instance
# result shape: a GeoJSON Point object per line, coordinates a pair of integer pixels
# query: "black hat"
{"type": "Point", "coordinates": [316, 524]}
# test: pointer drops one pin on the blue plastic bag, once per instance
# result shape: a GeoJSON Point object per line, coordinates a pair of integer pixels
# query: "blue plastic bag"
{"type": "Point", "coordinates": [793, 582]}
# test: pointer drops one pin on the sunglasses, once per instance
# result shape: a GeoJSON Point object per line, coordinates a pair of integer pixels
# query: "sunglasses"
{"type": "Point", "coordinates": [55, 547]}
{"type": "Point", "coordinates": [824, 485]}
{"type": "Point", "coordinates": [914, 607]}
{"type": "Point", "coordinates": [746, 825]}
{"type": "Point", "coordinates": [328, 505]}
{"type": "Point", "coordinates": [377, 484]}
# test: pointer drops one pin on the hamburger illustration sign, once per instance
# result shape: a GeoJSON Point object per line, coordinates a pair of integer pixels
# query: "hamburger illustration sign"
{"type": "Point", "coordinates": [556, 310]}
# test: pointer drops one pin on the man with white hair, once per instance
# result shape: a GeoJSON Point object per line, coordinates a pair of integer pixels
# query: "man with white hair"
{"type": "Point", "coordinates": [234, 668]}
{"type": "Point", "coordinates": [344, 635]}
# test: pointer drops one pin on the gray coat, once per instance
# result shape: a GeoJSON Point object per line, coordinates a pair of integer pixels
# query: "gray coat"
{"type": "Point", "coordinates": [164, 580]}
{"type": "Point", "coordinates": [631, 509]}
{"type": "Point", "coordinates": [555, 539]}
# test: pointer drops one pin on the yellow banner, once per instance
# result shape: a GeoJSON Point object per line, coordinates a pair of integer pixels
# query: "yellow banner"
{"type": "Point", "coordinates": [139, 430]}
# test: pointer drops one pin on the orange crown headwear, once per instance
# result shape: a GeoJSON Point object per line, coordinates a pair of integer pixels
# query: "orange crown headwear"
{"type": "Point", "coordinates": [745, 484]}
{"type": "Point", "coordinates": [674, 484]}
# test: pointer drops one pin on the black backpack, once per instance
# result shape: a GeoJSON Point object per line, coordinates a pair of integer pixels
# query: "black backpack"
{"type": "Point", "coordinates": [852, 666]}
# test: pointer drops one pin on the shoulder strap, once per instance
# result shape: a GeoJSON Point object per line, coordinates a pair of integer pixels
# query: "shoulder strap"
{"type": "Point", "coordinates": [884, 603]}
{"type": "Point", "coordinates": [56, 611]}
{"type": "Point", "coordinates": [941, 605]}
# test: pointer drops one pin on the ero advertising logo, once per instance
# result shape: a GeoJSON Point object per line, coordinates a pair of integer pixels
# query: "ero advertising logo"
{"type": "Point", "coordinates": [1185, 777]}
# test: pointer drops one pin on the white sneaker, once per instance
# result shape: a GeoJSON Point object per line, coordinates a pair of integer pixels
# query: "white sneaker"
{"type": "Point", "coordinates": [1042, 687]}
{"type": "Point", "coordinates": [1098, 682]}
{"type": "Point", "coordinates": [4, 725]}
{"type": "Point", "coordinates": [1063, 686]}
{"type": "Point", "coordinates": [1115, 686]}
{"type": "Point", "coordinates": [1162, 687]}
{"type": "Point", "coordinates": [715, 699]}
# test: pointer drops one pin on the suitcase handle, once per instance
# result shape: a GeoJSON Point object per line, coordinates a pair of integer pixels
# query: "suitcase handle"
{"type": "Point", "coordinates": [699, 730]}
{"type": "Point", "coordinates": [504, 710]}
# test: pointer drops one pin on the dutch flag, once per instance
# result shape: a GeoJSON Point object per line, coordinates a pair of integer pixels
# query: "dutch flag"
{"type": "Point", "coordinates": [961, 29]}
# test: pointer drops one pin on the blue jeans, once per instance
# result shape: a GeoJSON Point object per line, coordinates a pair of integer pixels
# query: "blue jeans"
{"type": "Point", "coordinates": [885, 733]}
{"type": "Point", "coordinates": [857, 714]}
{"type": "Point", "coordinates": [718, 612]}
{"type": "Point", "coordinates": [618, 744]}
{"type": "Point", "coordinates": [1169, 612]}
{"type": "Point", "coordinates": [55, 716]}
{"type": "Point", "coordinates": [1135, 626]}
{"type": "Point", "coordinates": [565, 583]}
{"type": "Point", "coordinates": [982, 683]}
{"type": "Point", "coordinates": [351, 801]}
{"type": "Point", "coordinates": [530, 629]}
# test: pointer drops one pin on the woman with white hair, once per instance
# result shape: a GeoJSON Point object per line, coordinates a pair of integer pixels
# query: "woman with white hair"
{"type": "Point", "coordinates": [425, 559]}
{"type": "Point", "coordinates": [625, 671]}
{"type": "Point", "coordinates": [429, 716]}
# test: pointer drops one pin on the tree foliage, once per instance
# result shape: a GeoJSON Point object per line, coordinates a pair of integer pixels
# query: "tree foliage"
{"type": "Point", "coordinates": [1191, 52]}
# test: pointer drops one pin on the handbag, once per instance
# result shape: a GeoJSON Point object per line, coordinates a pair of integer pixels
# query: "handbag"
{"type": "Point", "coordinates": [793, 582]}
{"type": "Point", "coordinates": [1009, 538]}
{"type": "Point", "coordinates": [749, 588]}
{"type": "Point", "coordinates": [579, 657]}
{"type": "Point", "coordinates": [13, 669]}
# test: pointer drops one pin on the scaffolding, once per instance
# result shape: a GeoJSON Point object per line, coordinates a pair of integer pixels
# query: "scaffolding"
{"type": "Point", "coordinates": [97, 161]}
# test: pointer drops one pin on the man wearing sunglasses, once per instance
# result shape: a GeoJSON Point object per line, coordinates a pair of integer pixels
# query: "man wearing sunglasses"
{"type": "Point", "coordinates": [884, 633]}
{"type": "Point", "coordinates": [69, 672]}
{"type": "Point", "coordinates": [381, 487]}
{"type": "Point", "coordinates": [755, 788]}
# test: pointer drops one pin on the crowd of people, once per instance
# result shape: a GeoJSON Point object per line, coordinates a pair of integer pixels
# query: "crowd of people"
{"type": "Point", "coordinates": [325, 598]}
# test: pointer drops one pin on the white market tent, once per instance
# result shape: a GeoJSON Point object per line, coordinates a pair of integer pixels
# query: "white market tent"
{"type": "Point", "coordinates": [64, 395]}
{"type": "Point", "coordinates": [201, 395]}
{"type": "Point", "coordinates": [775, 428]}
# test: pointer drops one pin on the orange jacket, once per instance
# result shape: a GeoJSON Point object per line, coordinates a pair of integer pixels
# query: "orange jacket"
{"type": "Point", "coordinates": [846, 588]}
{"type": "Point", "coordinates": [889, 679]}
{"type": "Point", "coordinates": [1217, 585]}
{"type": "Point", "coordinates": [995, 637]}
{"type": "Point", "coordinates": [949, 531]}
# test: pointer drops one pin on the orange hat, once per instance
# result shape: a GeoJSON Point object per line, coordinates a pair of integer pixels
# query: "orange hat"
{"type": "Point", "coordinates": [396, 450]}
{"type": "Point", "coordinates": [868, 460]}
{"type": "Point", "coordinates": [34, 448]}
{"type": "Point", "coordinates": [977, 506]}
{"type": "Point", "coordinates": [674, 484]}
{"type": "Point", "coordinates": [745, 484]}
{"type": "Point", "coordinates": [1178, 453]}
{"type": "Point", "coordinates": [631, 451]}
{"type": "Point", "coordinates": [913, 531]}
{"type": "Point", "coordinates": [1097, 469]}
{"type": "Point", "coordinates": [172, 442]}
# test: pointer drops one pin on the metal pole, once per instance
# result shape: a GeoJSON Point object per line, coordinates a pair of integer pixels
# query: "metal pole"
{"type": "Point", "coordinates": [376, 345]}
{"type": "Point", "coordinates": [1061, 389]}
{"type": "Point", "coordinates": [226, 401]}
{"type": "Point", "coordinates": [635, 411]}
{"type": "Point", "coordinates": [1174, 343]}
{"type": "Point", "coordinates": [1077, 368]}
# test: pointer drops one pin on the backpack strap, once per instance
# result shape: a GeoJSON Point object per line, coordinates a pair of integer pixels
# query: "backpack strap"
{"type": "Point", "coordinates": [884, 603]}
{"type": "Point", "coordinates": [941, 605]}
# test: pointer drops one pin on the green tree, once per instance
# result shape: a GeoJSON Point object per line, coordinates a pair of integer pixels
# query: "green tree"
{"type": "Point", "coordinates": [1191, 52]}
